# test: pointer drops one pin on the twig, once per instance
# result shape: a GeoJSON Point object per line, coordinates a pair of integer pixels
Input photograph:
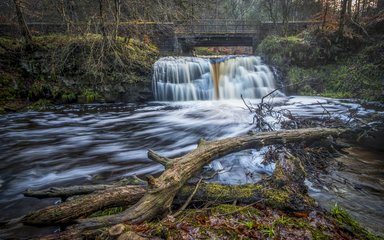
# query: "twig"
{"type": "Point", "coordinates": [238, 210]}
{"type": "Point", "coordinates": [249, 108]}
{"type": "Point", "coordinates": [325, 110]}
{"type": "Point", "coordinates": [262, 99]}
{"type": "Point", "coordinates": [176, 214]}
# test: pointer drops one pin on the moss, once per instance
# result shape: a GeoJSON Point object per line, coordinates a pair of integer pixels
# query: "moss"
{"type": "Point", "coordinates": [277, 198]}
{"type": "Point", "coordinates": [291, 50]}
{"type": "Point", "coordinates": [227, 192]}
{"type": "Point", "coordinates": [62, 66]}
{"type": "Point", "coordinates": [343, 217]}
{"type": "Point", "coordinates": [345, 79]}
{"type": "Point", "coordinates": [8, 87]}
{"type": "Point", "coordinates": [228, 209]}
{"type": "Point", "coordinates": [316, 63]}
{"type": "Point", "coordinates": [108, 212]}
{"type": "Point", "coordinates": [10, 44]}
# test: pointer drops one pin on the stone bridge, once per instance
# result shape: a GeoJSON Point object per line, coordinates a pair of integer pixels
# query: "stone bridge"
{"type": "Point", "coordinates": [182, 37]}
{"type": "Point", "coordinates": [222, 32]}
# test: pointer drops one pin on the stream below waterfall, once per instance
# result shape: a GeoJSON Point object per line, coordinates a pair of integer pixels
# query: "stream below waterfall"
{"type": "Point", "coordinates": [88, 144]}
{"type": "Point", "coordinates": [101, 143]}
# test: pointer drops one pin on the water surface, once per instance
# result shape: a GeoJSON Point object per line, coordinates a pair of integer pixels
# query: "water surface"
{"type": "Point", "coordinates": [103, 143]}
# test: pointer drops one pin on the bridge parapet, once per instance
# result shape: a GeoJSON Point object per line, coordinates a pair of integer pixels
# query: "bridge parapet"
{"type": "Point", "coordinates": [217, 26]}
{"type": "Point", "coordinates": [230, 26]}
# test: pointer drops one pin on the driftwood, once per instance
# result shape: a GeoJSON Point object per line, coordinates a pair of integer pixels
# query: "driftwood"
{"type": "Point", "coordinates": [83, 206]}
{"type": "Point", "coordinates": [68, 211]}
{"type": "Point", "coordinates": [67, 192]}
{"type": "Point", "coordinates": [162, 190]}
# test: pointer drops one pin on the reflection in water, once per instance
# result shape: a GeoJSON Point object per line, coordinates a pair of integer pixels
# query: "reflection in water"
{"type": "Point", "coordinates": [103, 143]}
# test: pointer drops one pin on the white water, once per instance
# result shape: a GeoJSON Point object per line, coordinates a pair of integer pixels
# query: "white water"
{"type": "Point", "coordinates": [191, 78]}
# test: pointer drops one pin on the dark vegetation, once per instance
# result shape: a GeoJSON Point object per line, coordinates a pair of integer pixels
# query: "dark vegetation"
{"type": "Point", "coordinates": [321, 61]}
{"type": "Point", "coordinates": [71, 69]}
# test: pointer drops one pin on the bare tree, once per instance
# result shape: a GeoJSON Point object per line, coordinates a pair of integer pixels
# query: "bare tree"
{"type": "Point", "coordinates": [22, 24]}
{"type": "Point", "coordinates": [343, 12]}
{"type": "Point", "coordinates": [325, 13]}
{"type": "Point", "coordinates": [117, 16]}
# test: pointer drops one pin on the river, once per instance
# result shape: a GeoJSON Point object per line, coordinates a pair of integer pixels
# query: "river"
{"type": "Point", "coordinates": [101, 143]}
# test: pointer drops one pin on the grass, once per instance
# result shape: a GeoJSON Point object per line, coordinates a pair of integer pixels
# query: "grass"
{"type": "Point", "coordinates": [345, 219]}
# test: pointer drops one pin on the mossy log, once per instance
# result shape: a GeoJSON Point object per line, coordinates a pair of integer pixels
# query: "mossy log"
{"type": "Point", "coordinates": [83, 206]}
{"type": "Point", "coordinates": [162, 190]}
{"type": "Point", "coordinates": [277, 192]}
{"type": "Point", "coordinates": [66, 192]}
{"type": "Point", "coordinates": [68, 211]}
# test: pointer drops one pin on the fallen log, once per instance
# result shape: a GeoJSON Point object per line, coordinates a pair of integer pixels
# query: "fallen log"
{"type": "Point", "coordinates": [285, 190]}
{"type": "Point", "coordinates": [66, 192]}
{"type": "Point", "coordinates": [68, 211]}
{"type": "Point", "coordinates": [83, 206]}
{"type": "Point", "coordinates": [162, 190]}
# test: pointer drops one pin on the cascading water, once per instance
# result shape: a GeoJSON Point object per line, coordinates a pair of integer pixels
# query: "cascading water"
{"type": "Point", "coordinates": [191, 78]}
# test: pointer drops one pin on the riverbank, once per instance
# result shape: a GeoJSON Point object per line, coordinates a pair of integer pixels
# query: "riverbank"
{"type": "Point", "coordinates": [74, 69]}
{"type": "Point", "coordinates": [320, 62]}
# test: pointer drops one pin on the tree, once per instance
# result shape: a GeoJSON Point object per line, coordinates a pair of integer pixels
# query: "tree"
{"type": "Point", "coordinates": [343, 12]}
{"type": "Point", "coordinates": [117, 16]}
{"type": "Point", "coordinates": [380, 4]}
{"type": "Point", "coordinates": [22, 24]}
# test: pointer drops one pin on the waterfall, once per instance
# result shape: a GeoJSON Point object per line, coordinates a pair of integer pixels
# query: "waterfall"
{"type": "Point", "coordinates": [191, 78]}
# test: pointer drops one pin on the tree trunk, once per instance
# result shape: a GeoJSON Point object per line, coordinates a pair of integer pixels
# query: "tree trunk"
{"type": "Point", "coordinates": [101, 17]}
{"type": "Point", "coordinates": [342, 17]}
{"type": "Point", "coordinates": [22, 24]}
{"type": "Point", "coordinates": [326, 7]}
{"type": "Point", "coordinates": [117, 17]}
{"type": "Point", "coordinates": [162, 190]}
{"type": "Point", "coordinates": [380, 5]}
{"type": "Point", "coordinates": [349, 8]}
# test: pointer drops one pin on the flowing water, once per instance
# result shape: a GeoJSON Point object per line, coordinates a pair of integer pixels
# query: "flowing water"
{"type": "Point", "coordinates": [190, 78]}
{"type": "Point", "coordinates": [88, 144]}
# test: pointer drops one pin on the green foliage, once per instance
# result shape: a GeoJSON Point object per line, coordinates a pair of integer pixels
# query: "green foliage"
{"type": "Point", "coordinates": [90, 96]}
{"type": "Point", "coordinates": [40, 105]}
{"type": "Point", "coordinates": [287, 51]}
{"type": "Point", "coordinates": [7, 44]}
{"type": "Point", "coordinates": [268, 231]}
{"type": "Point", "coordinates": [343, 217]}
{"type": "Point", "coordinates": [204, 51]}
{"type": "Point", "coordinates": [8, 87]}
{"type": "Point", "coordinates": [357, 76]}
{"type": "Point", "coordinates": [68, 97]}
{"type": "Point", "coordinates": [40, 89]}
{"type": "Point", "coordinates": [308, 60]}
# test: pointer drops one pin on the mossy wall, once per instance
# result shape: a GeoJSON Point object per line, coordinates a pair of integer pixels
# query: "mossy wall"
{"type": "Point", "coordinates": [67, 69]}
